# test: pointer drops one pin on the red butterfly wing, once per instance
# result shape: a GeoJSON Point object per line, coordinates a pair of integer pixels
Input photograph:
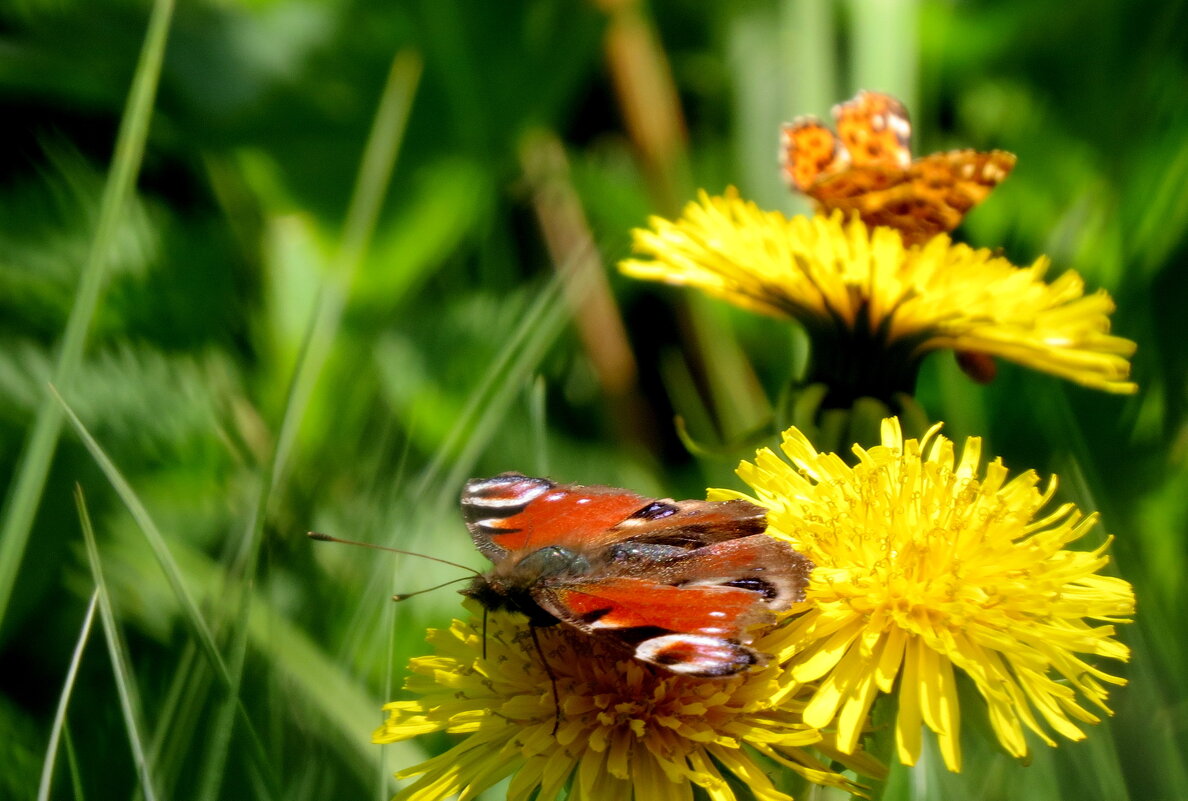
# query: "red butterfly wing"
{"type": "Point", "coordinates": [688, 630]}
{"type": "Point", "coordinates": [625, 603]}
{"type": "Point", "coordinates": [771, 570]}
{"type": "Point", "coordinates": [688, 614]}
{"type": "Point", "coordinates": [513, 513]}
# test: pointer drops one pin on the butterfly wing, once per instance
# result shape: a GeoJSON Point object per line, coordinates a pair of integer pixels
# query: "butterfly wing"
{"type": "Point", "coordinates": [930, 198]}
{"type": "Point", "coordinates": [809, 151]}
{"type": "Point", "coordinates": [693, 631]}
{"type": "Point", "coordinates": [517, 514]}
{"type": "Point", "coordinates": [761, 564]}
{"type": "Point", "coordinates": [873, 138]}
{"type": "Point", "coordinates": [690, 613]}
{"type": "Point", "coordinates": [875, 130]}
{"type": "Point", "coordinates": [960, 179]}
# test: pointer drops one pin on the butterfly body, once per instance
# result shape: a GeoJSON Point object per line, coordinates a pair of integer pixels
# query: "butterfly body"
{"type": "Point", "coordinates": [867, 169]}
{"type": "Point", "coordinates": [674, 583]}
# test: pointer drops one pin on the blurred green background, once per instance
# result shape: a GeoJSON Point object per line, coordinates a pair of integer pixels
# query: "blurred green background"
{"type": "Point", "coordinates": [368, 252]}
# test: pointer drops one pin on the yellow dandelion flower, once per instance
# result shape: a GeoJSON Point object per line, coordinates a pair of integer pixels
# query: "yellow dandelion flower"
{"type": "Point", "coordinates": [626, 730]}
{"type": "Point", "coordinates": [868, 300]}
{"type": "Point", "coordinates": [924, 567]}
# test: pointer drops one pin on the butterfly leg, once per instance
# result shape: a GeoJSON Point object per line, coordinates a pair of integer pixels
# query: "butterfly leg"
{"type": "Point", "coordinates": [548, 672]}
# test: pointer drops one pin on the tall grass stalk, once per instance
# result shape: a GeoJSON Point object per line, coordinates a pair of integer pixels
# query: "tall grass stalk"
{"type": "Point", "coordinates": [809, 58]}
{"type": "Point", "coordinates": [884, 48]}
{"type": "Point", "coordinates": [124, 679]}
{"type": "Point", "coordinates": [371, 185]}
{"type": "Point", "coordinates": [156, 540]}
{"type": "Point", "coordinates": [51, 752]}
{"type": "Point", "coordinates": [72, 761]}
{"type": "Point", "coordinates": [754, 54]}
{"type": "Point", "coordinates": [182, 705]}
{"type": "Point", "coordinates": [33, 467]}
{"type": "Point", "coordinates": [173, 574]}
{"type": "Point", "coordinates": [539, 326]}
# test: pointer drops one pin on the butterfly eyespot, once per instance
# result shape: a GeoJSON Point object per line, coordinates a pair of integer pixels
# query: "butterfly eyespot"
{"type": "Point", "coordinates": [504, 495]}
{"type": "Point", "coordinates": [696, 655]}
{"type": "Point", "coordinates": [655, 511]}
{"type": "Point", "coordinates": [761, 586]}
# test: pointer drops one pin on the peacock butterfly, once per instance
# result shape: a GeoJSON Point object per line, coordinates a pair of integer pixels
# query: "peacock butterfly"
{"type": "Point", "coordinates": [677, 584]}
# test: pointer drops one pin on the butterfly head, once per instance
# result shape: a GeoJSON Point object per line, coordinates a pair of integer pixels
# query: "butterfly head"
{"type": "Point", "coordinates": [511, 582]}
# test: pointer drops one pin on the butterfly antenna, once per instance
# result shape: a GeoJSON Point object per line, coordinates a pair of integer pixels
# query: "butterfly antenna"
{"type": "Point", "coordinates": [403, 596]}
{"type": "Point", "coordinates": [317, 535]}
{"type": "Point", "coordinates": [544, 660]}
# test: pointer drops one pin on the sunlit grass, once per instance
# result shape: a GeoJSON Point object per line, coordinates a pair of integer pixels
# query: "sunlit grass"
{"type": "Point", "coordinates": [34, 464]}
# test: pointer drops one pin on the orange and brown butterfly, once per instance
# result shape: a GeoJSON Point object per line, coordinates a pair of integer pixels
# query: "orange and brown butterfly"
{"type": "Point", "coordinates": [867, 168]}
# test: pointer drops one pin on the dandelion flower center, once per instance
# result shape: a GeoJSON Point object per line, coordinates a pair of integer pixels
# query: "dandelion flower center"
{"type": "Point", "coordinates": [874, 306]}
{"type": "Point", "coordinates": [626, 729]}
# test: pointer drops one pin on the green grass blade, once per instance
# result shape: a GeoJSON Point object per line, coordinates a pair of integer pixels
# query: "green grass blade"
{"type": "Point", "coordinates": [33, 468]}
{"type": "Point", "coordinates": [312, 680]}
{"type": "Point", "coordinates": [371, 185]}
{"type": "Point", "coordinates": [51, 752]}
{"type": "Point", "coordinates": [752, 47]}
{"type": "Point", "coordinates": [538, 424]}
{"type": "Point", "coordinates": [379, 159]}
{"type": "Point", "coordinates": [219, 733]}
{"type": "Point", "coordinates": [541, 315]}
{"type": "Point", "coordinates": [808, 38]}
{"type": "Point", "coordinates": [884, 48]}
{"type": "Point", "coordinates": [156, 540]}
{"type": "Point", "coordinates": [125, 681]}
{"type": "Point", "coordinates": [188, 694]}
{"type": "Point", "coordinates": [382, 771]}
{"type": "Point", "coordinates": [76, 785]}
{"type": "Point", "coordinates": [781, 59]}
{"type": "Point", "coordinates": [518, 375]}
{"type": "Point", "coordinates": [170, 568]}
